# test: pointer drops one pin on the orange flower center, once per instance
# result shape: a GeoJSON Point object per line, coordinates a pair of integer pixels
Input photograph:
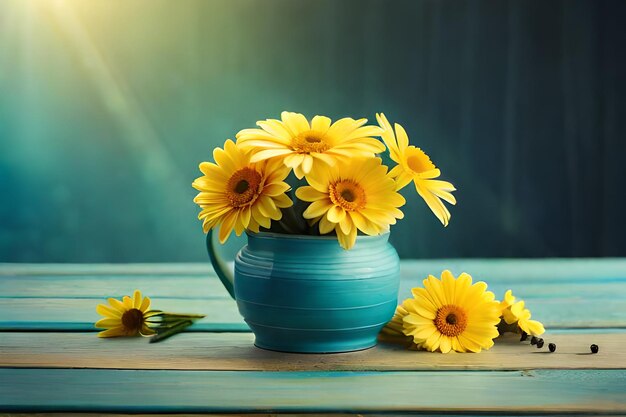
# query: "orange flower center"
{"type": "Point", "coordinates": [132, 320]}
{"type": "Point", "coordinates": [243, 187]}
{"type": "Point", "coordinates": [347, 194]}
{"type": "Point", "coordinates": [451, 320]}
{"type": "Point", "coordinates": [418, 161]}
{"type": "Point", "coordinates": [309, 141]}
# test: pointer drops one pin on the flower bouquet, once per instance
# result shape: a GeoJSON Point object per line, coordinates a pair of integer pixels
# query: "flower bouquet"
{"type": "Point", "coordinates": [341, 185]}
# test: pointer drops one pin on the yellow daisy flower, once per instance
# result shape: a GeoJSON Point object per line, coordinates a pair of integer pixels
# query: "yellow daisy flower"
{"type": "Point", "coordinates": [128, 317]}
{"type": "Point", "coordinates": [358, 195]}
{"type": "Point", "coordinates": [394, 329]}
{"type": "Point", "coordinates": [238, 194]}
{"type": "Point", "coordinates": [452, 314]}
{"type": "Point", "coordinates": [515, 312]}
{"type": "Point", "coordinates": [304, 146]}
{"type": "Point", "coordinates": [414, 165]}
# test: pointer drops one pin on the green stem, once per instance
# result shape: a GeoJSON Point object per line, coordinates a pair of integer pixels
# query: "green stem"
{"type": "Point", "coordinates": [504, 327]}
{"type": "Point", "coordinates": [171, 331]}
{"type": "Point", "coordinates": [184, 316]}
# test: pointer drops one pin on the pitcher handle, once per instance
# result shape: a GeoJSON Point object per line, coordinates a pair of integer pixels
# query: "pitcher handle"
{"type": "Point", "coordinates": [221, 269]}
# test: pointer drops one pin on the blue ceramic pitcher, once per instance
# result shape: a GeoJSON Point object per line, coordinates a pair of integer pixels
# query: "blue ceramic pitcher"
{"type": "Point", "coordinates": [306, 294]}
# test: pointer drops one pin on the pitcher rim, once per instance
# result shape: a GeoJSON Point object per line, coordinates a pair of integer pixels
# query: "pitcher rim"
{"type": "Point", "coordinates": [310, 237]}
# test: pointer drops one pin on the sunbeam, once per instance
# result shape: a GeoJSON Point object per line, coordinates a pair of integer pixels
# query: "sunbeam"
{"type": "Point", "coordinates": [140, 136]}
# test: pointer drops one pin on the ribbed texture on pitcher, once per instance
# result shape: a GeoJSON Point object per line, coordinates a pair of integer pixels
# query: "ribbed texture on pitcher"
{"type": "Point", "coordinates": [307, 294]}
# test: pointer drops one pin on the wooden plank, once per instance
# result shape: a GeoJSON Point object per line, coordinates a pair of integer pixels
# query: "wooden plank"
{"type": "Point", "coordinates": [544, 270]}
{"type": "Point", "coordinates": [63, 297]}
{"type": "Point", "coordinates": [183, 415]}
{"type": "Point", "coordinates": [232, 351]}
{"type": "Point", "coordinates": [103, 286]}
{"type": "Point", "coordinates": [502, 269]}
{"type": "Point", "coordinates": [101, 390]}
{"type": "Point", "coordinates": [11, 269]}
{"type": "Point", "coordinates": [265, 414]}
{"type": "Point", "coordinates": [58, 314]}
{"type": "Point", "coordinates": [208, 286]}
{"type": "Point", "coordinates": [72, 314]}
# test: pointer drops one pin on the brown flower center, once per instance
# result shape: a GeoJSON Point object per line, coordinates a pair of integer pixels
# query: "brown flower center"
{"type": "Point", "coordinates": [309, 141]}
{"type": "Point", "coordinates": [132, 320]}
{"type": "Point", "coordinates": [451, 320]}
{"type": "Point", "coordinates": [347, 194]}
{"type": "Point", "coordinates": [243, 186]}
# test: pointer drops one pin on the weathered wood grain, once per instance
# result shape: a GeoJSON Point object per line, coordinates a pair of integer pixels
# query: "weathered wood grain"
{"type": "Point", "coordinates": [103, 286]}
{"type": "Point", "coordinates": [562, 311]}
{"type": "Point", "coordinates": [72, 314]}
{"type": "Point", "coordinates": [183, 415]}
{"type": "Point", "coordinates": [141, 377]}
{"type": "Point", "coordinates": [553, 269]}
{"type": "Point", "coordinates": [98, 390]}
{"type": "Point", "coordinates": [282, 414]}
{"type": "Point", "coordinates": [14, 269]}
{"type": "Point", "coordinates": [563, 293]}
{"type": "Point", "coordinates": [209, 287]}
{"type": "Point", "coordinates": [235, 351]}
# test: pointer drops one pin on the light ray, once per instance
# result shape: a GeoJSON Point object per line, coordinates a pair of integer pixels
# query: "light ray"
{"type": "Point", "coordinates": [157, 168]}
{"type": "Point", "coordinates": [142, 138]}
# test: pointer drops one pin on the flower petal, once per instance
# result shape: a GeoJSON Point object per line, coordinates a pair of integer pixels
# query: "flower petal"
{"type": "Point", "coordinates": [317, 208]}
{"type": "Point", "coordinates": [320, 124]}
{"type": "Point", "coordinates": [295, 122]}
{"type": "Point", "coordinates": [269, 153]}
{"type": "Point", "coordinates": [108, 322]}
{"type": "Point", "coordinates": [105, 310]}
{"type": "Point", "coordinates": [137, 299]}
{"type": "Point", "coordinates": [117, 304]}
{"type": "Point", "coordinates": [114, 332]}
{"type": "Point", "coordinates": [335, 214]}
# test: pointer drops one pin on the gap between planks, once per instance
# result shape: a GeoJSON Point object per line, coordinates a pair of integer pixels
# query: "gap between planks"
{"type": "Point", "coordinates": [236, 352]}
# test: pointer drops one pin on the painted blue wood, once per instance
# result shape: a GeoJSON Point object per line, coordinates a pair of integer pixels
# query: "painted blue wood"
{"type": "Point", "coordinates": [100, 287]}
{"type": "Point", "coordinates": [79, 326]}
{"type": "Point", "coordinates": [80, 314]}
{"type": "Point", "coordinates": [307, 294]}
{"type": "Point", "coordinates": [519, 271]}
{"type": "Point", "coordinates": [562, 293]}
{"type": "Point", "coordinates": [139, 391]}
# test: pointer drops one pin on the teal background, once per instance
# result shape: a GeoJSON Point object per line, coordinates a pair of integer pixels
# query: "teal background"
{"type": "Point", "coordinates": [107, 107]}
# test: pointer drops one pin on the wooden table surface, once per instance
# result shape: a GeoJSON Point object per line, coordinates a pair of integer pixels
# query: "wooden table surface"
{"type": "Point", "coordinates": [52, 362]}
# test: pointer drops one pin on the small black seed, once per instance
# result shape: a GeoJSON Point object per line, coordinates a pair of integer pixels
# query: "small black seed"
{"type": "Point", "coordinates": [524, 337]}
{"type": "Point", "coordinates": [533, 340]}
{"type": "Point", "coordinates": [552, 347]}
{"type": "Point", "coordinates": [539, 343]}
{"type": "Point", "coordinates": [594, 348]}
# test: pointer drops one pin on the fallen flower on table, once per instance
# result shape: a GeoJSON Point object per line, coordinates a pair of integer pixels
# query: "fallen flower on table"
{"type": "Point", "coordinates": [133, 317]}
{"type": "Point", "coordinates": [394, 330]}
{"type": "Point", "coordinates": [516, 318]}
{"type": "Point", "coordinates": [452, 314]}
{"type": "Point", "coordinates": [448, 314]}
